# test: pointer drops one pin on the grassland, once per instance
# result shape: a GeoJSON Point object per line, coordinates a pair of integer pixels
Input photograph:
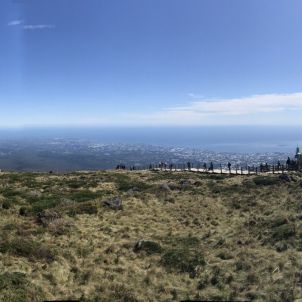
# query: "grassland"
{"type": "Point", "coordinates": [177, 236]}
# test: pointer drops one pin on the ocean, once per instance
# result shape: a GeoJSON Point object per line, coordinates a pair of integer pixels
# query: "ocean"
{"type": "Point", "coordinates": [235, 139]}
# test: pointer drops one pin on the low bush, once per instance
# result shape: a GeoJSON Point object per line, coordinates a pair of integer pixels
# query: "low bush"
{"type": "Point", "coordinates": [148, 246]}
{"type": "Point", "coordinates": [86, 208]}
{"type": "Point", "coordinates": [27, 248]}
{"type": "Point", "coordinates": [182, 241]}
{"type": "Point", "coordinates": [283, 232]}
{"type": "Point", "coordinates": [6, 204]}
{"type": "Point", "coordinates": [15, 287]}
{"type": "Point", "coordinates": [266, 180]}
{"type": "Point", "coordinates": [84, 195]}
{"type": "Point", "coordinates": [182, 260]}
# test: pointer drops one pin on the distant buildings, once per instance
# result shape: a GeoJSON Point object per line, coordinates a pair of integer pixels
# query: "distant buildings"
{"type": "Point", "coordinates": [298, 156]}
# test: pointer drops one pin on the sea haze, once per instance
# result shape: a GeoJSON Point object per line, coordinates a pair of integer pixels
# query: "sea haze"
{"type": "Point", "coordinates": [62, 149]}
{"type": "Point", "coordinates": [241, 139]}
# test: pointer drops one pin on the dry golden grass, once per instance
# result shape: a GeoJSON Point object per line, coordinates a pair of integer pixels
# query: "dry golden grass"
{"type": "Point", "coordinates": [209, 237]}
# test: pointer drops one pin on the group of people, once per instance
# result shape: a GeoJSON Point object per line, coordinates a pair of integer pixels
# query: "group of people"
{"type": "Point", "coordinates": [264, 167]}
{"type": "Point", "coordinates": [189, 166]}
{"type": "Point", "coordinates": [291, 164]}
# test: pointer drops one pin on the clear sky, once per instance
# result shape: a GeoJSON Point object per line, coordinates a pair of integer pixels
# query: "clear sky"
{"type": "Point", "coordinates": [150, 62]}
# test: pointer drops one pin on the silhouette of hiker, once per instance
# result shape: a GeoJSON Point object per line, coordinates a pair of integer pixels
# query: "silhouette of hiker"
{"type": "Point", "coordinates": [204, 167]}
{"type": "Point", "coordinates": [229, 167]}
{"type": "Point", "coordinates": [189, 165]}
{"type": "Point", "coordinates": [261, 167]}
{"type": "Point", "coordinates": [211, 167]}
{"type": "Point", "coordinates": [288, 162]}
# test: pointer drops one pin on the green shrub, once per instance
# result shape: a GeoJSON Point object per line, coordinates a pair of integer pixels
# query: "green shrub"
{"type": "Point", "coordinates": [283, 232]}
{"type": "Point", "coordinates": [124, 182]}
{"type": "Point", "coordinates": [148, 246]}
{"type": "Point", "coordinates": [38, 204]}
{"type": "Point", "coordinates": [84, 195]}
{"type": "Point", "coordinates": [15, 287]}
{"type": "Point", "coordinates": [8, 192]}
{"type": "Point", "coordinates": [182, 260]}
{"type": "Point", "coordinates": [6, 204]}
{"type": "Point", "coordinates": [27, 248]}
{"type": "Point", "coordinates": [182, 241]}
{"type": "Point", "coordinates": [242, 265]}
{"type": "Point", "coordinates": [265, 180]}
{"type": "Point", "coordinates": [122, 294]}
{"type": "Point", "coordinates": [75, 184]}
{"type": "Point", "coordinates": [84, 208]}
{"type": "Point", "coordinates": [23, 211]}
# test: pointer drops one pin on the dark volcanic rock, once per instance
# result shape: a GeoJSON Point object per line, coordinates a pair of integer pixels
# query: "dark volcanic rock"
{"type": "Point", "coordinates": [114, 203]}
{"type": "Point", "coordinates": [285, 178]}
{"type": "Point", "coordinates": [132, 191]}
{"type": "Point", "coordinates": [281, 247]}
{"type": "Point", "coordinates": [187, 183]}
{"type": "Point", "coordinates": [47, 216]}
{"type": "Point", "coordinates": [164, 187]}
{"type": "Point", "coordinates": [23, 211]}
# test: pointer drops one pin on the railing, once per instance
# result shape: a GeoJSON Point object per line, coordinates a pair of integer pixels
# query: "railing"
{"type": "Point", "coordinates": [217, 169]}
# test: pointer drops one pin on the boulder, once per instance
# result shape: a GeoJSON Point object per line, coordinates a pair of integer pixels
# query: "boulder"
{"type": "Point", "coordinates": [114, 203]}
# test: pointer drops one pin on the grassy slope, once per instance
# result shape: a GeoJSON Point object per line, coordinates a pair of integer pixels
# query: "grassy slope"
{"type": "Point", "coordinates": [213, 237]}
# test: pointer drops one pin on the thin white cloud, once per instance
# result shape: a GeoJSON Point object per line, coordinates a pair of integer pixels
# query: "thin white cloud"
{"type": "Point", "coordinates": [245, 105]}
{"type": "Point", "coordinates": [38, 26]}
{"type": "Point", "coordinates": [20, 23]}
{"type": "Point", "coordinates": [15, 23]}
{"type": "Point", "coordinates": [256, 109]}
{"type": "Point", "coordinates": [195, 96]}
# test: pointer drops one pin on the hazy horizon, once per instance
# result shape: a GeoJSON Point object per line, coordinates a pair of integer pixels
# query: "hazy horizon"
{"type": "Point", "coordinates": [216, 138]}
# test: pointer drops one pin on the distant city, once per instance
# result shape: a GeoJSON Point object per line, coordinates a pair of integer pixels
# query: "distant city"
{"type": "Point", "coordinates": [65, 155]}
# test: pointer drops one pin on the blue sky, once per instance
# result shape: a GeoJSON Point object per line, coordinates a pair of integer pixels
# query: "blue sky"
{"type": "Point", "coordinates": [150, 62]}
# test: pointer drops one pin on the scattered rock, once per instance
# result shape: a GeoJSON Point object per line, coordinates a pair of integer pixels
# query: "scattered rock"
{"type": "Point", "coordinates": [164, 187]}
{"type": "Point", "coordinates": [150, 247]}
{"type": "Point", "coordinates": [34, 194]}
{"type": "Point", "coordinates": [281, 247]}
{"type": "Point", "coordinates": [132, 191]}
{"type": "Point", "coordinates": [187, 183]}
{"type": "Point", "coordinates": [173, 186]}
{"type": "Point", "coordinates": [114, 203]}
{"type": "Point", "coordinates": [285, 178]}
{"type": "Point", "coordinates": [47, 216]}
{"type": "Point", "coordinates": [23, 211]}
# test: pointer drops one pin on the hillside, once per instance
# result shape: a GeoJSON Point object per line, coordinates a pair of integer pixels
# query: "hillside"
{"type": "Point", "coordinates": [176, 235]}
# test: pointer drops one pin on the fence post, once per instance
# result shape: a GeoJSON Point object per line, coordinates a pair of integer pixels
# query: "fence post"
{"type": "Point", "coordinates": [241, 170]}
{"type": "Point", "coordinates": [273, 169]}
{"type": "Point", "coordinates": [256, 170]}
{"type": "Point", "coordinates": [220, 169]}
